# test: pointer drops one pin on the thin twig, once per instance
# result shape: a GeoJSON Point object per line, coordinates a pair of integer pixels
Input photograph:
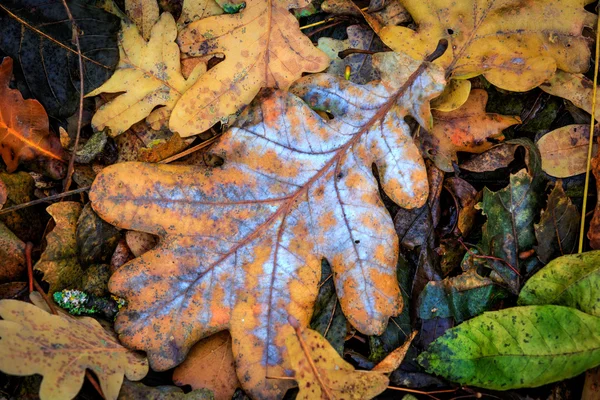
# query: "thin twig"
{"type": "Point", "coordinates": [488, 257]}
{"type": "Point", "coordinates": [591, 140]}
{"type": "Point", "coordinates": [345, 53]}
{"type": "Point", "coordinates": [71, 167]}
{"type": "Point", "coordinates": [331, 318]}
{"type": "Point", "coordinates": [191, 150]}
{"type": "Point", "coordinates": [44, 200]}
{"type": "Point", "coordinates": [28, 248]}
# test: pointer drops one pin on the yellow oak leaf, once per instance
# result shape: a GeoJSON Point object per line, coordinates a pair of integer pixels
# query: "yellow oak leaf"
{"type": "Point", "coordinates": [576, 88]}
{"type": "Point", "coordinates": [144, 13]}
{"type": "Point", "coordinates": [515, 44]}
{"type": "Point", "coordinates": [467, 129]}
{"type": "Point", "coordinates": [322, 374]}
{"type": "Point", "coordinates": [61, 348]}
{"type": "Point", "coordinates": [564, 150]}
{"type": "Point", "coordinates": [194, 10]}
{"type": "Point", "coordinates": [263, 47]}
{"type": "Point", "coordinates": [241, 244]}
{"type": "Point", "coordinates": [149, 72]}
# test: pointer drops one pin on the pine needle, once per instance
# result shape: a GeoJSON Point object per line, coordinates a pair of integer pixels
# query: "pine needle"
{"type": "Point", "coordinates": [591, 143]}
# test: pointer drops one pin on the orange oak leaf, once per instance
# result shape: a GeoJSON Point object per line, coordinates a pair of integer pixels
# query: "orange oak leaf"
{"type": "Point", "coordinates": [24, 133]}
{"type": "Point", "coordinates": [241, 244]}
{"type": "Point", "coordinates": [467, 129]}
{"type": "Point", "coordinates": [210, 365]}
{"type": "Point", "coordinates": [61, 348]}
{"type": "Point", "coordinates": [322, 374]}
{"type": "Point", "coordinates": [263, 47]}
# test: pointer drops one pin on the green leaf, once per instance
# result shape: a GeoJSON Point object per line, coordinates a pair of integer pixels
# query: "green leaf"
{"type": "Point", "coordinates": [572, 280]}
{"type": "Point", "coordinates": [461, 297]}
{"type": "Point", "coordinates": [557, 231]}
{"type": "Point", "coordinates": [517, 347]}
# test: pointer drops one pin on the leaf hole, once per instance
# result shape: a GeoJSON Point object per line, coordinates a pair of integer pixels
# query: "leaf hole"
{"type": "Point", "coordinates": [450, 31]}
{"type": "Point", "coordinates": [357, 241]}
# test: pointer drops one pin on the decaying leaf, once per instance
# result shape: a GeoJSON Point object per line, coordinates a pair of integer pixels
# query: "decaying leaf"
{"type": "Point", "coordinates": [12, 254]}
{"type": "Point", "coordinates": [210, 365]}
{"type": "Point", "coordinates": [558, 228]}
{"type": "Point", "coordinates": [241, 244]}
{"type": "Point", "coordinates": [59, 261]}
{"type": "Point", "coordinates": [322, 374]}
{"type": "Point", "coordinates": [467, 129]}
{"type": "Point", "coordinates": [564, 150]}
{"type": "Point", "coordinates": [263, 47]}
{"type": "Point", "coordinates": [24, 126]}
{"type": "Point", "coordinates": [39, 34]}
{"type": "Point", "coordinates": [574, 87]}
{"type": "Point", "coordinates": [361, 68]}
{"type": "Point", "coordinates": [517, 347]}
{"type": "Point", "coordinates": [194, 10]}
{"type": "Point", "coordinates": [149, 73]}
{"type": "Point", "coordinates": [499, 156]}
{"type": "Point", "coordinates": [61, 348]}
{"type": "Point", "coordinates": [378, 15]}
{"type": "Point", "coordinates": [144, 14]}
{"type": "Point", "coordinates": [393, 360]}
{"type": "Point", "coordinates": [461, 297]}
{"type": "Point", "coordinates": [516, 45]}
{"type": "Point", "coordinates": [572, 281]}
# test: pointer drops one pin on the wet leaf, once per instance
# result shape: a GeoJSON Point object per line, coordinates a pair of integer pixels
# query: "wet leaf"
{"type": "Point", "coordinates": [210, 365]}
{"type": "Point", "coordinates": [139, 391]}
{"type": "Point", "coordinates": [571, 280]}
{"type": "Point", "coordinates": [516, 45]}
{"type": "Point", "coordinates": [461, 297]}
{"type": "Point", "coordinates": [59, 261]}
{"type": "Point", "coordinates": [61, 348]}
{"type": "Point", "coordinates": [509, 230]}
{"type": "Point", "coordinates": [322, 374]}
{"type": "Point", "coordinates": [558, 228]}
{"type": "Point", "coordinates": [293, 189]}
{"type": "Point", "coordinates": [144, 14]}
{"type": "Point", "coordinates": [96, 240]}
{"type": "Point", "coordinates": [564, 150]}
{"type": "Point", "coordinates": [27, 222]}
{"type": "Point", "coordinates": [39, 34]}
{"type": "Point", "coordinates": [149, 73]}
{"type": "Point", "coordinates": [12, 254]}
{"type": "Point", "coordinates": [24, 126]}
{"type": "Point", "coordinates": [263, 47]}
{"type": "Point", "coordinates": [361, 68]}
{"type": "Point", "coordinates": [517, 347]}
{"type": "Point", "coordinates": [468, 128]}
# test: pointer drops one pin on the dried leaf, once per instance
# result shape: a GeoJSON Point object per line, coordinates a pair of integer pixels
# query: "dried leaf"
{"type": "Point", "coordinates": [516, 45]}
{"type": "Point", "coordinates": [39, 34]}
{"type": "Point", "coordinates": [322, 374]}
{"type": "Point", "coordinates": [517, 347]}
{"type": "Point", "coordinates": [59, 261]}
{"type": "Point", "coordinates": [293, 189]}
{"type": "Point", "coordinates": [210, 364]}
{"type": "Point", "coordinates": [564, 150]}
{"type": "Point", "coordinates": [465, 197]}
{"type": "Point", "coordinates": [467, 129]}
{"type": "Point", "coordinates": [194, 10]}
{"type": "Point", "coordinates": [497, 157]}
{"type": "Point", "coordinates": [95, 239]}
{"type": "Point", "coordinates": [377, 16]}
{"type": "Point", "coordinates": [558, 229]}
{"type": "Point", "coordinates": [393, 360]}
{"type": "Point", "coordinates": [361, 68]}
{"type": "Point", "coordinates": [149, 73]}
{"type": "Point", "coordinates": [24, 133]}
{"type": "Point", "coordinates": [144, 14]}
{"type": "Point", "coordinates": [26, 223]}
{"type": "Point", "coordinates": [572, 281]}
{"type": "Point", "coordinates": [454, 95]}
{"type": "Point", "coordinates": [12, 254]}
{"type": "Point", "coordinates": [61, 348]}
{"type": "Point", "coordinates": [263, 47]}
{"type": "Point", "coordinates": [574, 87]}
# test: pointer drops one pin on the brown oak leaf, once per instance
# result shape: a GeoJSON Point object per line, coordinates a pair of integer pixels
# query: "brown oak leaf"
{"type": "Point", "coordinates": [241, 244]}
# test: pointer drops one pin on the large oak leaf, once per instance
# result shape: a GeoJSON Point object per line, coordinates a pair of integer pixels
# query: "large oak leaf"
{"type": "Point", "coordinates": [241, 245]}
{"type": "Point", "coordinates": [515, 44]}
{"type": "Point", "coordinates": [263, 47]}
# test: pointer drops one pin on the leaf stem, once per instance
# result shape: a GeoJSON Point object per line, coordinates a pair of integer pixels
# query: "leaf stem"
{"type": "Point", "coordinates": [43, 200]}
{"type": "Point", "coordinates": [28, 248]}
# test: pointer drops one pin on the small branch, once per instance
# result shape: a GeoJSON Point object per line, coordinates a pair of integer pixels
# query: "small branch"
{"type": "Point", "coordinates": [191, 150]}
{"type": "Point", "coordinates": [347, 52]}
{"type": "Point", "coordinates": [71, 167]}
{"type": "Point", "coordinates": [44, 200]}
{"type": "Point", "coordinates": [488, 257]}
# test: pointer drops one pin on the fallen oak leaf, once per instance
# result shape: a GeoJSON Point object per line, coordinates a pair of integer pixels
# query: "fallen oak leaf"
{"type": "Point", "coordinates": [24, 126]}
{"type": "Point", "coordinates": [292, 190]}
{"type": "Point", "coordinates": [576, 88]}
{"type": "Point", "coordinates": [467, 129]}
{"type": "Point", "coordinates": [564, 150]}
{"type": "Point", "coordinates": [263, 47]}
{"type": "Point", "coordinates": [320, 371]}
{"type": "Point", "coordinates": [516, 45]}
{"type": "Point", "coordinates": [144, 13]}
{"type": "Point", "coordinates": [61, 348]}
{"type": "Point", "coordinates": [149, 72]}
